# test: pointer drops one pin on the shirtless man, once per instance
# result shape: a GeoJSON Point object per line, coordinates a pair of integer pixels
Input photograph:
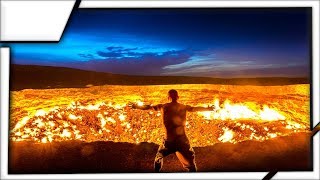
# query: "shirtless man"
{"type": "Point", "coordinates": [176, 140]}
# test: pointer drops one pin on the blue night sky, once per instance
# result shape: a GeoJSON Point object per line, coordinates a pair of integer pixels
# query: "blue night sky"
{"type": "Point", "coordinates": [187, 42]}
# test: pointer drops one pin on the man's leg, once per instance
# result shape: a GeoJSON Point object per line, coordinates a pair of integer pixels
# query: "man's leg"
{"type": "Point", "coordinates": [158, 162]}
{"type": "Point", "coordinates": [163, 151]}
{"type": "Point", "coordinates": [186, 156]}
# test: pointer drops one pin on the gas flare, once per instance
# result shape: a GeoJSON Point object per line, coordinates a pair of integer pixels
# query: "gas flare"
{"type": "Point", "coordinates": [227, 135]}
{"type": "Point", "coordinates": [238, 111]}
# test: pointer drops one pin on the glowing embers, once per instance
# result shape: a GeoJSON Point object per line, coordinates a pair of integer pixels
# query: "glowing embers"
{"type": "Point", "coordinates": [238, 131]}
{"type": "Point", "coordinates": [238, 111]}
{"type": "Point", "coordinates": [226, 136]}
{"type": "Point", "coordinates": [21, 123]}
{"type": "Point", "coordinates": [66, 123]}
{"type": "Point", "coordinates": [73, 117]}
{"type": "Point", "coordinates": [119, 123]}
{"type": "Point", "coordinates": [140, 103]}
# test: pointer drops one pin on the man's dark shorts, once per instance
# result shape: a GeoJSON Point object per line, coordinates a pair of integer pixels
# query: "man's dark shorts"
{"type": "Point", "coordinates": [183, 150]}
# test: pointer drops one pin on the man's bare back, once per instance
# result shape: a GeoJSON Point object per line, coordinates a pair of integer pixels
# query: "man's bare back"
{"type": "Point", "coordinates": [174, 119]}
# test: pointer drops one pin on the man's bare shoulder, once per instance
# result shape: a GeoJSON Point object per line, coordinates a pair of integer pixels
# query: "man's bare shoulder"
{"type": "Point", "coordinates": [183, 106]}
{"type": "Point", "coordinates": [165, 105]}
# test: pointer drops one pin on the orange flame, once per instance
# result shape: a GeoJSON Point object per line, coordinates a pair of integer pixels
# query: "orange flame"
{"type": "Point", "coordinates": [235, 122]}
{"type": "Point", "coordinates": [240, 111]}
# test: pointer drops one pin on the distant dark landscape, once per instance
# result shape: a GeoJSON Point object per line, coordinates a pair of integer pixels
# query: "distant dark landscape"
{"type": "Point", "coordinates": [47, 77]}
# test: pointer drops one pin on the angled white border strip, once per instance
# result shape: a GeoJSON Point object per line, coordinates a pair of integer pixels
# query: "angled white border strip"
{"type": "Point", "coordinates": [34, 20]}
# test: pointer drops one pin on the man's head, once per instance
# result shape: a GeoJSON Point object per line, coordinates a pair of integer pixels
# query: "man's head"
{"type": "Point", "coordinates": [173, 95]}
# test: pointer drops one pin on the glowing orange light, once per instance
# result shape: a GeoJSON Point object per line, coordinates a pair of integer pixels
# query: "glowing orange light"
{"type": "Point", "coordinates": [100, 121]}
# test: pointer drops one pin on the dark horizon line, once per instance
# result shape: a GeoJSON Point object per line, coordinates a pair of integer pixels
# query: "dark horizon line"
{"type": "Point", "coordinates": [253, 77]}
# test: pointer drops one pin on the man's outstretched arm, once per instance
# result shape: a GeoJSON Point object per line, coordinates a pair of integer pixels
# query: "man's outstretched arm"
{"type": "Point", "coordinates": [199, 108]}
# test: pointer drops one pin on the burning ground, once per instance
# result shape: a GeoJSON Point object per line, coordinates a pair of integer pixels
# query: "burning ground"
{"type": "Point", "coordinates": [81, 118]}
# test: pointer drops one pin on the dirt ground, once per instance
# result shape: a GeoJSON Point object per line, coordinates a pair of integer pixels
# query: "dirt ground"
{"type": "Point", "coordinates": [281, 153]}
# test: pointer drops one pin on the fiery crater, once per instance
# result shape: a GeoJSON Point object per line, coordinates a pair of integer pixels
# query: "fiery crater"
{"type": "Point", "coordinates": [230, 122]}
